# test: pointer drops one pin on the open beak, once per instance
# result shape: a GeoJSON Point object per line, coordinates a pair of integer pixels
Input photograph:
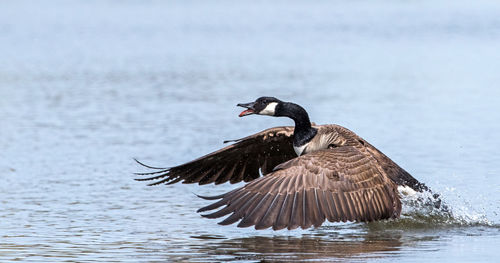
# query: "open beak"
{"type": "Point", "coordinates": [250, 108]}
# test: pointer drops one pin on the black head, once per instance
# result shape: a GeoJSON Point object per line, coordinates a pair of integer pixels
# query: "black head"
{"type": "Point", "coordinates": [262, 106]}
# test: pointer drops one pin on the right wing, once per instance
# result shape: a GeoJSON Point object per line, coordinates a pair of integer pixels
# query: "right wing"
{"type": "Point", "coordinates": [238, 162]}
{"type": "Point", "coordinates": [339, 184]}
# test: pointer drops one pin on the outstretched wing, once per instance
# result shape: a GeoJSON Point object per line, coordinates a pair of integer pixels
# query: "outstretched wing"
{"type": "Point", "coordinates": [339, 184]}
{"type": "Point", "coordinates": [238, 162]}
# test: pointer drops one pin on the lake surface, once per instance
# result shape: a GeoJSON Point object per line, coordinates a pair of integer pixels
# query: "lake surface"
{"type": "Point", "coordinates": [86, 86]}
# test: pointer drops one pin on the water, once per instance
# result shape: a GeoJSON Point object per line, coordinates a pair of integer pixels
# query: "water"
{"type": "Point", "coordinates": [85, 86]}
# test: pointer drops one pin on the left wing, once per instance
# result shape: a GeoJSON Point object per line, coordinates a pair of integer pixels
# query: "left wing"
{"type": "Point", "coordinates": [237, 162]}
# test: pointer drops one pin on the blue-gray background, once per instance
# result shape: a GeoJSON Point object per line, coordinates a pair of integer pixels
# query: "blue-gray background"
{"type": "Point", "coordinates": [85, 86]}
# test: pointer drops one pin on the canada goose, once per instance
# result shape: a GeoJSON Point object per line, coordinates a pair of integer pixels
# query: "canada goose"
{"type": "Point", "coordinates": [311, 173]}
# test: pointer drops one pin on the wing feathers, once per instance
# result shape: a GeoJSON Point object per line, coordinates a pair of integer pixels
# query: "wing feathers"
{"type": "Point", "coordinates": [256, 214]}
{"type": "Point", "coordinates": [238, 177]}
{"type": "Point", "coordinates": [328, 206]}
{"type": "Point", "coordinates": [227, 175]}
{"type": "Point", "coordinates": [238, 162]}
{"type": "Point", "coordinates": [238, 211]}
{"type": "Point", "coordinates": [339, 184]}
{"type": "Point", "coordinates": [340, 204]}
{"type": "Point", "coordinates": [283, 216]}
{"type": "Point", "coordinates": [271, 213]}
{"type": "Point", "coordinates": [296, 211]}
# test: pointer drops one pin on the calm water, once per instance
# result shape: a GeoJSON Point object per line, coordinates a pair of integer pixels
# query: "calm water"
{"type": "Point", "coordinates": [85, 86]}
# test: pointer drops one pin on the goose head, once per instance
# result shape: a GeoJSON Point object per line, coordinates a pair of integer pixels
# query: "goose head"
{"type": "Point", "coordinates": [303, 132]}
{"type": "Point", "coordinates": [261, 106]}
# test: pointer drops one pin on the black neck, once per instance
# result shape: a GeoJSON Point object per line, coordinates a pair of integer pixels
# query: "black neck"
{"type": "Point", "coordinates": [303, 132]}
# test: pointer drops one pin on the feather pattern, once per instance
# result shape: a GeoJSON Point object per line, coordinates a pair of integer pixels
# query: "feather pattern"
{"type": "Point", "coordinates": [333, 184]}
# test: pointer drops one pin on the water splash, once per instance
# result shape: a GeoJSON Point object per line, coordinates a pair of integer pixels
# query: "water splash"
{"type": "Point", "coordinates": [427, 210]}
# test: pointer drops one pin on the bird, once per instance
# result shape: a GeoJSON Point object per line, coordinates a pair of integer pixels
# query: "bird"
{"type": "Point", "coordinates": [296, 176]}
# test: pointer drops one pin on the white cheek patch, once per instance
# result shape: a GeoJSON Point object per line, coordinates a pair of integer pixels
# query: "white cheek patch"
{"type": "Point", "coordinates": [269, 110]}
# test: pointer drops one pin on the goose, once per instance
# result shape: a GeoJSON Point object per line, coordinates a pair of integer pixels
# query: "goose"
{"type": "Point", "coordinates": [296, 176]}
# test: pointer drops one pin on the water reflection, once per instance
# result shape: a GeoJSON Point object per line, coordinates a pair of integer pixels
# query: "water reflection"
{"type": "Point", "coordinates": [304, 248]}
{"type": "Point", "coordinates": [332, 243]}
{"type": "Point", "coordinates": [344, 242]}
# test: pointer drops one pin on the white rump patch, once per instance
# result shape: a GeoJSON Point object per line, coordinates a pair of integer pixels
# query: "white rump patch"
{"type": "Point", "coordinates": [269, 110]}
{"type": "Point", "coordinates": [406, 190]}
